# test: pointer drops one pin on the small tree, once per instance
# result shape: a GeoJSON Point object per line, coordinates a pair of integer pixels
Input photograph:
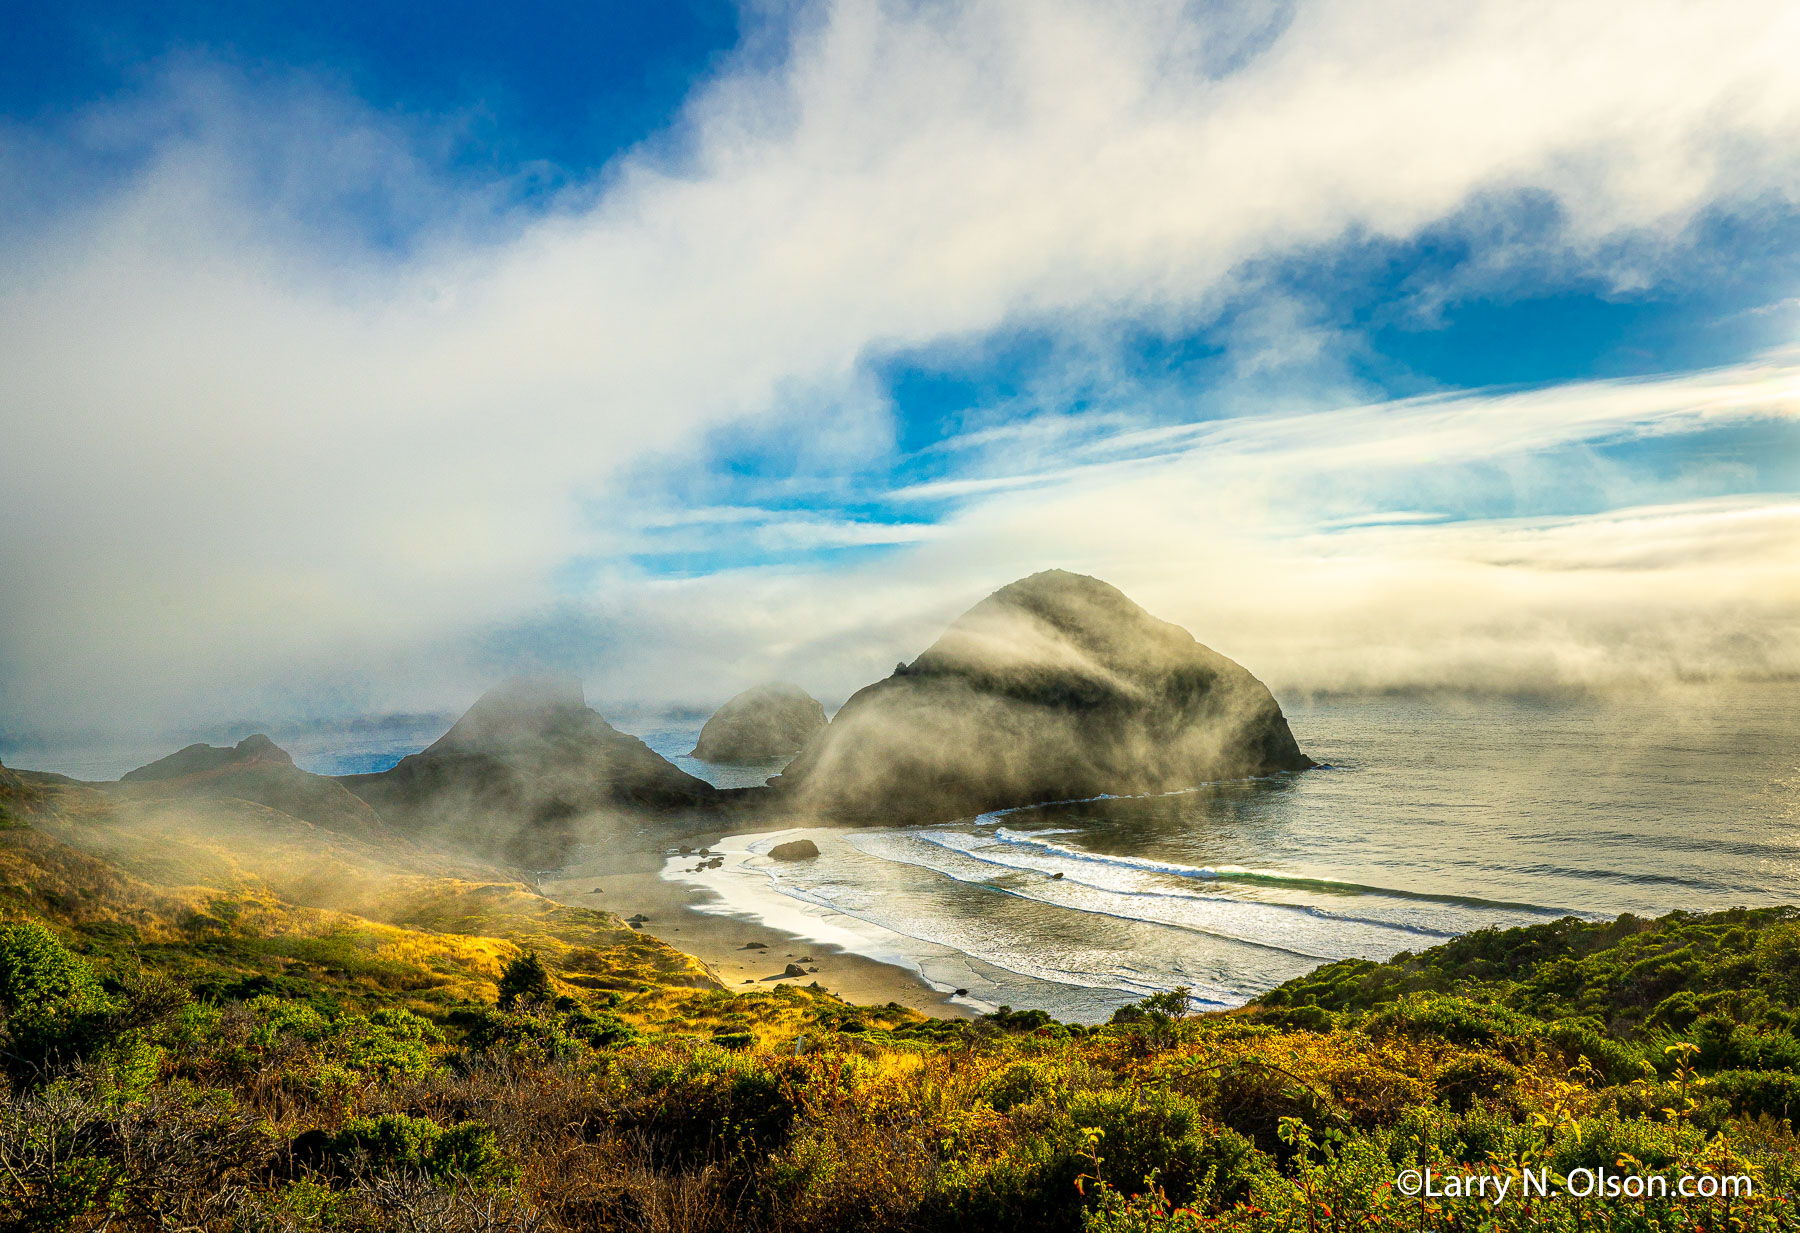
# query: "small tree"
{"type": "Point", "coordinates": [525, 979]}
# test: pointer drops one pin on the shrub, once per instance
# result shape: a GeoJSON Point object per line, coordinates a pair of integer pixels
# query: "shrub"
{"type": "Point", "coordinates": [54, 1011]}
{"type": "Point", "coordinates": [1475, 1077]}
{"type": "Point", "coordinates": [1605, 1139]}
{"type": "Point", "coordinates": [1759, 1092]}
{"type": "Point", "coordinates": [1615, 1060]}
{"type": "Point", "coordinates": [1020, 1083]}
{"type": "Point", "coordinates": [525, 979]}
{"type": "Point", "coordinates": [394, 1142]}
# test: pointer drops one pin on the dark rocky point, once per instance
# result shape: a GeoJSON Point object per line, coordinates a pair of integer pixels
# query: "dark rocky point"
{"type": "Point", "coordinates": [528, 772]}
{"type": "Point", "coordinates": [769, 721]}
{"type": "Point", "coordinates": [1056, 687]}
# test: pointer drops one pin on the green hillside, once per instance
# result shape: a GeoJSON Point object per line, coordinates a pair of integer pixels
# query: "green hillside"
{"type": "Point", "coordinates": [220, 1017]}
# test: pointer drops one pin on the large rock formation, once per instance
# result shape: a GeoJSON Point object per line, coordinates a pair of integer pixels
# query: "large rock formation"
{"type": "Point", "coordinates": [525, 774]}
{"type": "Point", "coordinates": [1056, 687]}
{"type": "Point", "coordinates": [258, 770]}
{"type": "Point", "coordinates": [769, 721]}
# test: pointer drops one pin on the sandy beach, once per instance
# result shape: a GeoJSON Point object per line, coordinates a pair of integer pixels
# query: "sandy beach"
{"type": "Point", "coordinates": [631, 881]}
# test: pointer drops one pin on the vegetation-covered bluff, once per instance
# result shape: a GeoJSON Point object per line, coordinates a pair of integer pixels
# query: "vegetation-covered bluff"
{"type": "Point", "coordinates": [766, 722]}
{"type": "Point", "coordinates": [184, 1045]}
{"type": "Point", "coordinates": [1053, 688]}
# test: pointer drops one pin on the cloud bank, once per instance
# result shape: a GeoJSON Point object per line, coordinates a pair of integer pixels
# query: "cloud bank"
{"type": "Point", "coordinates": [293, 412]}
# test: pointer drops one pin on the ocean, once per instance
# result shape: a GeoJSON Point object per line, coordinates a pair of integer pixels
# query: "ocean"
{"type": "Point", "coordinates": [1432, 817]}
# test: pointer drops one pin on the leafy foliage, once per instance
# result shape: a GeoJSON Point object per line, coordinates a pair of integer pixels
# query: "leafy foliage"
{"type": "Point", "coordinates": [1656, 1046]}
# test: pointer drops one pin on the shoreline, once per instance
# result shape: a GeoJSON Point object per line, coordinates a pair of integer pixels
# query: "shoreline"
{"type": "Point", "coordinates": [692, 917]}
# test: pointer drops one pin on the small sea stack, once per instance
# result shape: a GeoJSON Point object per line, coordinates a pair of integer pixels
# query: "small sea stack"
{"type": "Point", "coordinates": [760, 724]}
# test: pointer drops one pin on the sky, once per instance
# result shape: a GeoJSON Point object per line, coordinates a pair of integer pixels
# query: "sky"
{"type": "Point", "coordinates": [355, 357]}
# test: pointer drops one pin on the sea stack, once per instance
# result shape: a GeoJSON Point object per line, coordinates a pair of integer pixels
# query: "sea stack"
{"type": "Point", "coordinates": [769, 721]}
{"type": "Point", "coordinates": [1056, 687]}
{"type": "Point", "coordinates": [528, 771]}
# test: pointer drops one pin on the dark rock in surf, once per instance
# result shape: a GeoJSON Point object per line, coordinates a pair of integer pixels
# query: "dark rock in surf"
{"type": "Point", "coordinates": [794, 850]}
{"type": "Point", "coordinates": [769, 721]}
{"type": "Point", "coordinates": [1056, 687]}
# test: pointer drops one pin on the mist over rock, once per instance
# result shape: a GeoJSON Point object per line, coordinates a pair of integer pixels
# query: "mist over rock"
{"type": "Point", "coordinates": [769, 721]}
{"type": "Point", "coordinates": [526, 773]}
{"type": "Point", "coordinates": [1056, 687]}
{"type": "Point", "coordinates": [261, 772]}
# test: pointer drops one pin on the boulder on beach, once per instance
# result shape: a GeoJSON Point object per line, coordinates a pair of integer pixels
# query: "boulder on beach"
{"type": "Point", "coordinates": [1057, 687]}
{"type": "Point", "coordinates": [793, 969]}
{"type": "Point", "coordinates": [769, 721]}
{"type": "Point", "coordinates": [794, 850]}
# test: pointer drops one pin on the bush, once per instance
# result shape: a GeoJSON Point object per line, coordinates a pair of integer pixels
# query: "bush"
{"type": "Point", "coordinates": [1476, 1077]}
{"type": "Point", "coordinates": [1021, 1083]}
{"type": "Point", "coordinates": [1755, 1093]}
{"type": "Point", "coordinates": [1615, 1060]}
{"type": "Point", "coordinates": [394, 1142]}
{"type": "Point", "coordinates": [526, 980]}
{"type": "Point", "coordinates": [52, 1009]}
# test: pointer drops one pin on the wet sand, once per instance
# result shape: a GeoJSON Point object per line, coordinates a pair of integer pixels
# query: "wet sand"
{"type": "Point", "coordinates": [630, 882]}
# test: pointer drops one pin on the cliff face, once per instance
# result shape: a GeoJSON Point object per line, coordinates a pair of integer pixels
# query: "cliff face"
{"type": "Point", "coordinates": [769, 721]}
{"type": "Point", "coordinates": [525, 773]}
{"type": "Point", "coordinates": [260, 771]}
{"type": "Point", "coordinates": [1056, 687]}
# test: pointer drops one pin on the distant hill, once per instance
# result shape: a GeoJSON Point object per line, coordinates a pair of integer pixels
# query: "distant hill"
{"type": "Point", "coordinates": [259, 771]}
{"type": "Point", "coordinates": [17, 798]}
{"type": "Point", "coordinates": [1056, 687]}
{"type": "Point", "coordinates": [198, 759]}
{"type": "Point", "coordinates": [768, 721]}
{"type": "Point", "coordinates": [526, 773]}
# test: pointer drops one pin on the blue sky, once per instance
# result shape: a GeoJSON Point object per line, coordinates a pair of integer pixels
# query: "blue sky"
{"type": "Point", "coordinates": [365, 351]}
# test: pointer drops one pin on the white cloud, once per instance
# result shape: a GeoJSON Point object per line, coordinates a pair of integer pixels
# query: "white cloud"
{"type": "Point", "coordinates": [239, 441]}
